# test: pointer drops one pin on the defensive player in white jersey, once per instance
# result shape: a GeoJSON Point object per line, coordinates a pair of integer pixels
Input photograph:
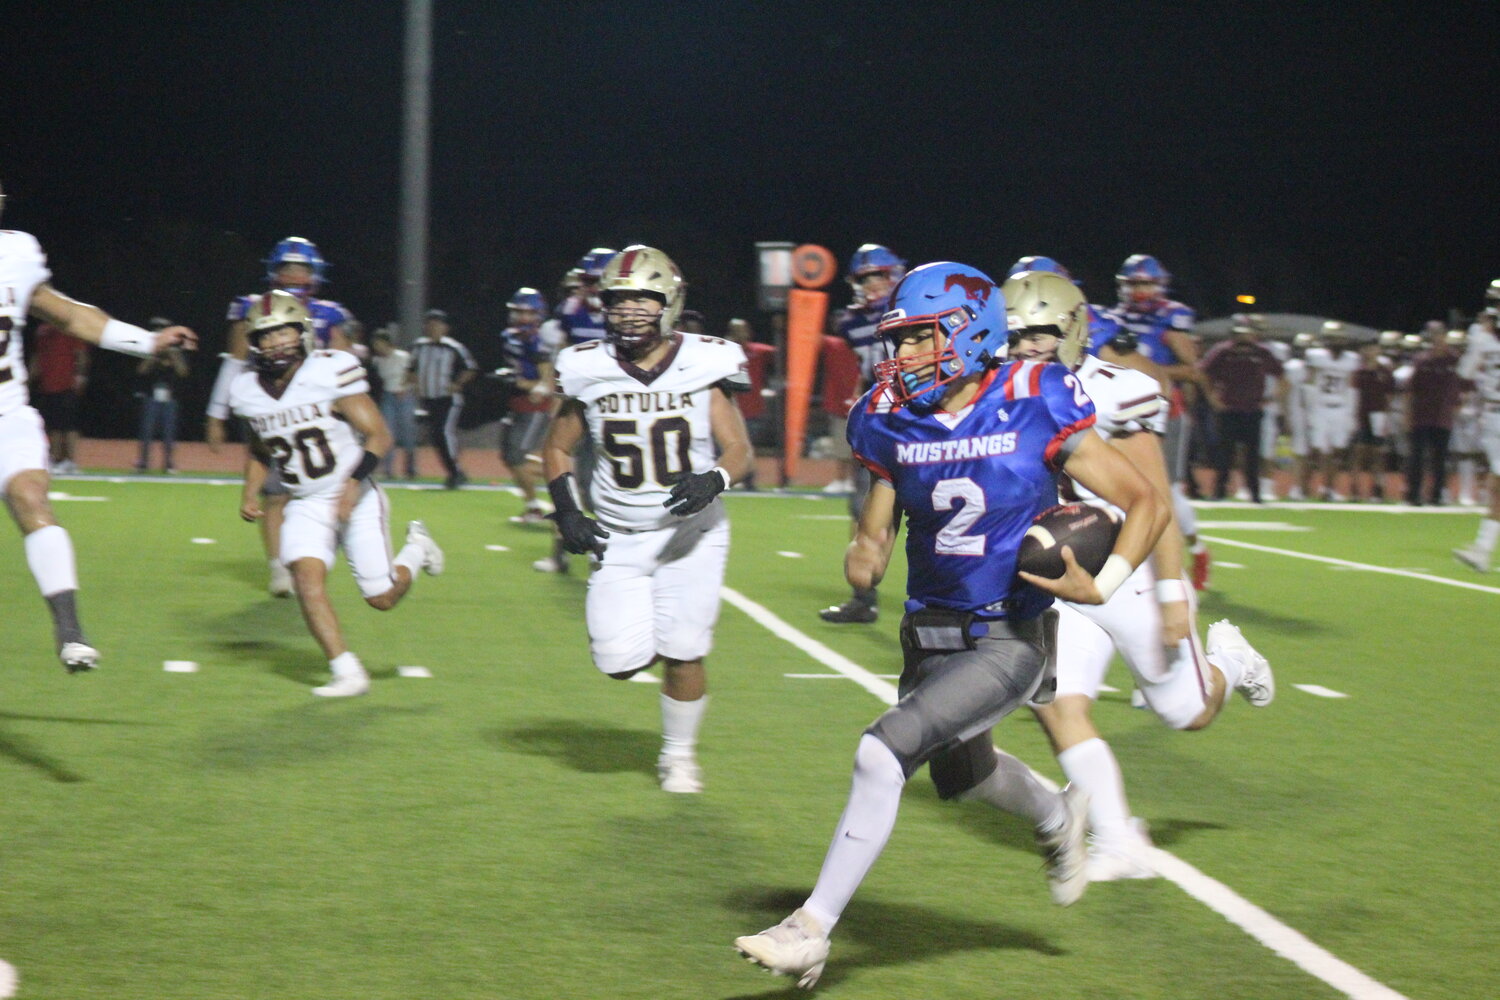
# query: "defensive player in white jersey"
{"type": "Point", "coordinates": [1481, 365]}
{"type": "Point", "coordinates": [296, 265]}
{"type": "Point", "coordinates": [24, 479]}
{"type": "Point", "coordinates": [1333, 404]}
{"type": "Point", "coordinates": [310, 413]}
{"type": "Point", "coordinates": [1150, 619]}
{"type": "Point", "coordinates": [655, 405]}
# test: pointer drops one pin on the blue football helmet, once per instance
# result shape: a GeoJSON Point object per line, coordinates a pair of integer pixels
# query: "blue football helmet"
{"type": "Point", "coordinates": [1040, 264]}
{"type": "Point", "coordinates": [965, 310]}
{"type": "Point", "coordinates": [872, 258]}
{"type": "Point", "coordinates": [1142, 280]}
{"type": "Point", "coordinates": [594, 262]}
{"type": "Point", "coordinates": [528, 298]}
{"type": "Point", "coordinates": [296, 250]}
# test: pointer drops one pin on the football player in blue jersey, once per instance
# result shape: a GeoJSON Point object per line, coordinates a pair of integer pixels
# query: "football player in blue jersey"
{"type": "Point", "coordinates": [529, 367]}
{"type": "Point", "coordinates": [296, 266]}
{"type": "Point", "coordinates": [873, 272]}
{"type": "Point", "coordinates": [1158, 327]}
{"type": "Point", "coordinates": [967, 446]}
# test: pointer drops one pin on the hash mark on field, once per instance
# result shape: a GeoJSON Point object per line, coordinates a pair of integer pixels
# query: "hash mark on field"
{"type": "Point", "coordinates": [1347, 564]}
{"type": "Point", "coordinates": [413, 671]}
{"type": "Point", "coordinates": [1320, 690]}
{"type": "Point", "coordinates": [68, 497]}
{"type": "Point", "coordinates": [1259, 924]}
{"type": "Point", "coordinates": [498, 548]}
{"type": "Point", "coordinates": [205, 541]}
{"type": "Point", "coordinates": [645, 678]}
{"type": "Point", "coordinates": [180, 666]}
{"type": "Point", "coordinates": [1221, 564]}
{"type": "Point", "coordinates": [790, 555]}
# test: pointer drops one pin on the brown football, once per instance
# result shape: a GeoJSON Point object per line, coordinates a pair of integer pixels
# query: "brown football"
{"type": "Point", "coordinates": [1089, 531]}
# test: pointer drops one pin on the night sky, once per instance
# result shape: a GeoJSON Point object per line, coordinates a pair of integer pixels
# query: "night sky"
{"type": "Point", "coordinates": [1334, 159]}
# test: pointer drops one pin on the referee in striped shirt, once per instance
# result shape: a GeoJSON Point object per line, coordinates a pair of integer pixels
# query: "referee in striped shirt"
{"type": "Point", "coordinates": [443, 367]}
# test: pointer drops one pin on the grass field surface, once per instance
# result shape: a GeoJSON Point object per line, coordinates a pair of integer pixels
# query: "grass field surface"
{"type": "Point", "coordinates": [495, 830]}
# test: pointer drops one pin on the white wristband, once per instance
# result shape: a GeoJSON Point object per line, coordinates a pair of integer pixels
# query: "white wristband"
{"type": "Point", "coordinates": [1117, 570]}
{"type": "Point", "coordinates": [724, 475]}
{"type": "Point", "coordinates": [127, 339]}
{"type": "Point", "coordinates": [1169, 591]}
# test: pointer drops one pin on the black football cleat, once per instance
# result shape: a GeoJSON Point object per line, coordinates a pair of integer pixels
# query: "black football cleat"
{"type": "Point", "coordinates": [852, 612]}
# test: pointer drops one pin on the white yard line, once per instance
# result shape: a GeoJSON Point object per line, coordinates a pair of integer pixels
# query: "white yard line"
{"type": "Point", "coordinates": [1320, 690]}
{"type": "Point", "coordinates": [1259, 924]}
{"type": "Point", "coordinates": [1347, 564]}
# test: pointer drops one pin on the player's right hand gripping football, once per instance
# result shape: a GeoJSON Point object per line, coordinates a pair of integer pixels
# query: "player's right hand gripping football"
{"type": "Point", "coordinates": [580, 533]}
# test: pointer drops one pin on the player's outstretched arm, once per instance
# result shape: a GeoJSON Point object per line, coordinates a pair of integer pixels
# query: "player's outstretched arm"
{"type": "Point", "coordinates": [1143, 449]}
{"type": "Point", "coordinates": [869, 552]}
{"type": "Point", "coordinates": [94, 325]}
{"type": "Point", "coordinates": [1105, 472]}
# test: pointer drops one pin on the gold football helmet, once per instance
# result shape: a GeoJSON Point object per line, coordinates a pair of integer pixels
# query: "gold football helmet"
{"type": "Point", "coordinates": [1047, 302]}
{"type": "Point", "coordinates": [276, 309]}
{"type": "Point", "coordinates": [643, 270]}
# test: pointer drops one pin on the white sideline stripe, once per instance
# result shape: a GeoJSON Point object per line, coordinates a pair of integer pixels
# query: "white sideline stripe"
{"type": "Point", "coordinates": [835, 677]}
{"type": "Point", "coordinates": [1320, 690]}
{"type": "Point", "coordinates": [1346, 564]}
{"type": "Point", "coordinates": [1218, 897]}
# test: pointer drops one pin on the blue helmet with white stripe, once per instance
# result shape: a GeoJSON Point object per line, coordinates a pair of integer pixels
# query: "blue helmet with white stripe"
{"type": "Point", "coordinates": [962, 310]}
{"type": "Point", "coordinates": [296, 250]}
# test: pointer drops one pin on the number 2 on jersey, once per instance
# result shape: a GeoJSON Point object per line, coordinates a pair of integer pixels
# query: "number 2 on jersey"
{"type": "Point", "coordinates": [952, 540]}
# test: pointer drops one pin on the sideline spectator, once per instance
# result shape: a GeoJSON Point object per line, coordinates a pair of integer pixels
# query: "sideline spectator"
{"type": "Point", "coordinates": [1432, 399]}
{"type": "Point", "coordinates": [162, 376]}
{"type": "Point", "coordinates": [444, 366]}
{"type": "Point", "coordinates": [1237, 370]}
{"type": "Point", "coordinates": [62, 373]}
{"type": "Point", "coordinates": [398, 400]}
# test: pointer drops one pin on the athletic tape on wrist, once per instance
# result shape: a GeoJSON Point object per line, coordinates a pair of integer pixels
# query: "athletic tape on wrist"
{"type": "Point", "coordinates": [127, 339]}
{"type": "Point", "coordinates": [1117, 570]}
{"type": "Point", "coordinates": [1168, 591]}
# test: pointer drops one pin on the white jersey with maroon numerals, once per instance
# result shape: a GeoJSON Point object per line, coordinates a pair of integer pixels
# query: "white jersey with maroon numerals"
{"type": "Point", "coordinates": [314, 448]}
{"type": "Point", "coordinates": [1330, 380]}
{"type": "Point", "coordinates": [648, 428]}
{"type": "Point", "coordinates": [23, 267]}
{"type": "Point", "coordinates": [1126, 401]}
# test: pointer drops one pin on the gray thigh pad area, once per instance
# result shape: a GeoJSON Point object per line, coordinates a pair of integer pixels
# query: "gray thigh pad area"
{"type": "Point", "coordinates": [951, 700]}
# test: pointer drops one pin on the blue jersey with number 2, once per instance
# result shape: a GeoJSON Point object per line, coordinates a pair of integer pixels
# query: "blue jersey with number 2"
{"type": "Point", "coordinates": [971, 482]}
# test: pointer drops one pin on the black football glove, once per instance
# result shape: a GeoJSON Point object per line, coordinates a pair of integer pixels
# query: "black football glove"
{"type": "Point", "coordinates": [694, 491]}
{"type": "Point", "coordinates": [580, 533]}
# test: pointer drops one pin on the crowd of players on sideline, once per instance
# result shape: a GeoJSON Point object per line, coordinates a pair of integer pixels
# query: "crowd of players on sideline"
{"type": "Point", "coordinates": [980, 404]}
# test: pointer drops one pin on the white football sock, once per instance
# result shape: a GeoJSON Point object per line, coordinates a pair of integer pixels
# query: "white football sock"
{"type": "Point", "coordinates": [411, 556]}
{"type": "Point", "coordinates": [49, 553]}
{"type": "Point", "coordinates": [1091, 765]}
{"type": "Point", "coordinates": [1489, 531]}
{"type": "Point", "coordinates": [1466, 478]}
{"type": "Point", "coordinates": [1013, 788]}
{"type": "Point", "coordinates": [874, 798]}
{"type": "Point", "coordinates": [1187, 518]}
{"type": "Point", "coordinates": [679, 725]}
{"type": "Point", "coordinates": [346, 664]}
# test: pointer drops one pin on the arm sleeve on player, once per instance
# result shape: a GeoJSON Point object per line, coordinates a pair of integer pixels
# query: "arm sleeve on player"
{"type": "Point", "coordinates": [218, 400]}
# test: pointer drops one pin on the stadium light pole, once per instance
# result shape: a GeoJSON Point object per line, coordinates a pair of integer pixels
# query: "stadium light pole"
{"type": "Point", "coordinates": [416, 106]}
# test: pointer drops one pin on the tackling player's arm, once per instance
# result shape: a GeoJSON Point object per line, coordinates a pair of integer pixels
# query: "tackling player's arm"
{"type": "Point", "coordinates": [257, 458]}
{"type": "Point", "coordinates": [579, 532]}
{"type": "Point", "coordinates": [94, 325]}
{"type": "Point", "coordinates": [1105, 472]}
{"type": "Point", "coordinates": [364, 416]}
{"type": "Point", "coordinates": [1144, 451]}
{"type": "Point", "coordinates": [869, 552]}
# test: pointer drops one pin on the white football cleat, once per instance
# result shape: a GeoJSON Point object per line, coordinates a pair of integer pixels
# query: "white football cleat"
{"type": "Point", "coordinates": [432, 556]}
{"type": "Point", "coordinates": [795, 947]}
{"type": "Point", "coordinates": [1121, 855]}
{"type": "Point", "coordinates": [78, 657]}
{"type": "Point", "coordinates": [1257, 683]}
{"type": "Point", "coordinates": [282, 584]}
{"type": "Point", "coordinates": [679, 775]}
{"type": "Point", "coordinates": [1473, 558]}
{"type": "Point", "coordinates": [350, 685]}
{"type": "Point", "coordinates": [531, 515]}
{"type": "Point", "coordinates": [1066, 849]}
